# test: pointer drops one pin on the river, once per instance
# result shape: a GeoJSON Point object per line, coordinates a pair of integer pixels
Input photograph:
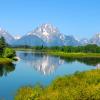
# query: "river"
{"type": "Point", "coordinates": [38, 68]}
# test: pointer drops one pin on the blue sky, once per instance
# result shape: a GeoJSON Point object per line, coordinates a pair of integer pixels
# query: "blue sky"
{"type": "Point", "coordinates": [80, 18]}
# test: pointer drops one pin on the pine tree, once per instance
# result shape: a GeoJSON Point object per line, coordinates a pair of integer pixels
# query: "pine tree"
{"type": "Point", "coordinates": [2, 45]}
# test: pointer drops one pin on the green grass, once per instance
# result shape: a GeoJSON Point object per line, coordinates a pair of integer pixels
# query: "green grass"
{"type": "Point", "coordinates": [75, 55]}
{"type": "Point", "coordinates": [5, 60]}
{"type": "Point", "coordinates": [79, 86]}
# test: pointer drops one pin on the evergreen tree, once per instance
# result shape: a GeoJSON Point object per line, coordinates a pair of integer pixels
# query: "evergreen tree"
{"type": "Point", "coordinates": [2, 45]}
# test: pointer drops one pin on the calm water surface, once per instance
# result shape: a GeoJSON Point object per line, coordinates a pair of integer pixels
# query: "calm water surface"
{"type": "Point", "coordinates": [33, 68]}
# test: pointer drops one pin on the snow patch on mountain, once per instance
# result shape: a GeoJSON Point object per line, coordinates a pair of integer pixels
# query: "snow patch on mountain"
{"type": "Point", "coordinates": [16, 37]}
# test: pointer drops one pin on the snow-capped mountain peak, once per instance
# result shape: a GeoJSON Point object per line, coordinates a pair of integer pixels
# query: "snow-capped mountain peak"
{"type": "Point", "coordinates": [46, 28]}
{"type": "Point", "coordinates": [52, 36]}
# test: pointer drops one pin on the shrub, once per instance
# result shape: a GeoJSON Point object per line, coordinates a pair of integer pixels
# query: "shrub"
{"type": "Point", "coordinates": [9, 53]}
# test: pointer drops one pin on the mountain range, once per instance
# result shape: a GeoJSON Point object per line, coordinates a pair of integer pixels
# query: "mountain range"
{"type": "Point", "coordinates": [47, 35]}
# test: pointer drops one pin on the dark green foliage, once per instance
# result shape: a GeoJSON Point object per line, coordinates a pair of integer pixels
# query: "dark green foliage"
{"type": "Point", "coordinates": [2, 45]}
{"type": "Point", "coordinates": [91, 48]}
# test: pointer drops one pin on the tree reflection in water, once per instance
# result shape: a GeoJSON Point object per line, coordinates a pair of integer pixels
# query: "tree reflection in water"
{"type": "Point", "coordinates": [87, 61]}
{"type": "Point", "coordinates": [6, 68]}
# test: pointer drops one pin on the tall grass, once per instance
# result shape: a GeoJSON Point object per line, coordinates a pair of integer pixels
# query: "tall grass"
{"type": "Point", "coordinates": [79, 86]}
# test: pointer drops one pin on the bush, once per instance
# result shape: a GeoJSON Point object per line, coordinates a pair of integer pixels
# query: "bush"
{"type": "Point", "coordinates": [9, 53]}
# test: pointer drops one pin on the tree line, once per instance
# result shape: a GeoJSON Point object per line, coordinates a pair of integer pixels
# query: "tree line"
{"type": "Point", "coordinates": [90, 48]}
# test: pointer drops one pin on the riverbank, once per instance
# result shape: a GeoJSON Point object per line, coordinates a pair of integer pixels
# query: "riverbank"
{"type": "Point", "coordinates": [79, 86]}
{"type": "Point", "coordinates": [63, 54]}
{"type": "Point", "coordinates": [75, 55]}
{"type": "Point", "coordinates": [5, 61]}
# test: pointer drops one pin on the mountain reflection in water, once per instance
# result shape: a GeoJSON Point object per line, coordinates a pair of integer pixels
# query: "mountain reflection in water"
{"type": "Point", "coordinates": [42, 63]}
{"type": "Point", "coordinates": [48, 64]}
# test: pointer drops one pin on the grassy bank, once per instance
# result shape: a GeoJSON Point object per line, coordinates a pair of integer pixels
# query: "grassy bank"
{"type": "Point", "coordinates": [79, 86]}
{"type": "Point", "coordinates": [5, 61]}
{"type": "Point", "coordinates": [75, 55]}
{"type": "Point", "coordinates": [63, 54]}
